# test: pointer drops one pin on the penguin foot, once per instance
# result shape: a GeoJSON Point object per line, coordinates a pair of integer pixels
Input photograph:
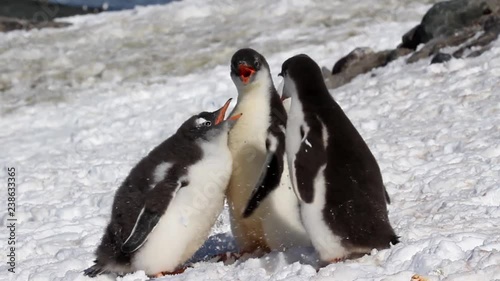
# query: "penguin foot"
{"type": "Point", "coordinates": [227, 257]}
{"type": "Point", "coordinates": [166, 273]}
{"type": "Point", "coordinates": [336, 260]}
{"type": "Point", "coordinates": [417, 277]}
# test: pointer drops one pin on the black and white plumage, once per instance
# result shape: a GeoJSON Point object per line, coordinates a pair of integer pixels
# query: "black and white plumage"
{"type": "Point", "coordinates": [257, 145]}
{"type": "Point", "coordinates": [335, 176]}
{"type": "Point", "coordinates": [165, 208]}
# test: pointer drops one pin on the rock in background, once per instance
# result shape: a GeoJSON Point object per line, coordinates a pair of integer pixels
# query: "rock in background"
{"type": "Point", "coordinates": [29, 14]}
{"type": "Point", "coordinates": [10, 24]}
{"type": "Point", "coordinates": [467, 25]}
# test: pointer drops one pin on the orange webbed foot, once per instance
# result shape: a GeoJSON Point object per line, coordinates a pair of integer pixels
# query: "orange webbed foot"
{"type": "Point", "coordinates": [166, 273]}
{"type": "Point", "coordinates": [336, 260]}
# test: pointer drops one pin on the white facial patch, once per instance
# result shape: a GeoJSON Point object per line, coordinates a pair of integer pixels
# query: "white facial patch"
{"type": "Point", "coordinates": [200, 121]}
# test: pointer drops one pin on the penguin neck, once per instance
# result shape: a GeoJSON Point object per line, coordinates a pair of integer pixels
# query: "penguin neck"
{"type": "Point", "coordinates": [220, 138]}
{"type": "Point", "coordinates": [261, 89]}
{"type": "Point", "coordinates": [254, 101]}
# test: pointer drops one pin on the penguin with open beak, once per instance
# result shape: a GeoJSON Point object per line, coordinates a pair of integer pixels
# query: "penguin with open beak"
{"type": "Point", "coordinates": [164, 209]}
{"type": "Point", "coordinates": [263, 209]}
{"type": "Point", "coordinates": [334, 174]}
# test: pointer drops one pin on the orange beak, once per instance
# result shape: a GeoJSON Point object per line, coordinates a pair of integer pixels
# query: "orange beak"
{"type": "Point", "coordinates": [235, 117]}
{"type": "Point", "coordinates": [245, 73]}
{"type": "Point", "coordinates": [222, 112]}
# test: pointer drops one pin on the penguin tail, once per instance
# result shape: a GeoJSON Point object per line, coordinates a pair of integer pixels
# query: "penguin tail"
{"type": "Point", "coordinates": [395, 240]}
{"type": "Point", "coordinates": [387, 197]}
{"type": "Point", "coordinates": [94, 270]}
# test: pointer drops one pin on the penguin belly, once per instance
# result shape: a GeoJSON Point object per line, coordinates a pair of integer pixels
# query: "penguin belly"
{"type": "Point", "coordinates": [276, 224]}
{"type": "Point", "coordinates": [247, 142]}
{"type": "Point", "coordinates": [327, 244]}
{"type": "Point", "coordinates": [283, 226]}
{"type": "Point", "coordinates": [248, 232]}
{"type": "Point", "coordinates": [190, 216]}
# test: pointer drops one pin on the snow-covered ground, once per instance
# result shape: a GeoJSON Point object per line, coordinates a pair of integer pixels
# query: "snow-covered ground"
{"type": "Point", "coordinates": [80, 106]}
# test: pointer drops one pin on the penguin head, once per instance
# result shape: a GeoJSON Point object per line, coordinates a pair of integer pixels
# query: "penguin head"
{"type": "Point", "coordinates": [301, 75]}
{"type": "Point", "coordinates": [248, 67]}
{"type": "Point", "coordinates": [208, 125]}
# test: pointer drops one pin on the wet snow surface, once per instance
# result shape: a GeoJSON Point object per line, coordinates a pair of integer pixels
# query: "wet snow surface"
{"type": "Point", "coordinates": [80, 106]}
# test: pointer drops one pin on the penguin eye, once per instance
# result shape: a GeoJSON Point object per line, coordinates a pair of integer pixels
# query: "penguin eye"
{"type": "Point", "coordinates": [202, 122]}
{"type": "Point", "coordinates": [257, 64]}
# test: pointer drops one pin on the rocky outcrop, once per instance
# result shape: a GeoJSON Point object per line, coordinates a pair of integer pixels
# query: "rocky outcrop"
{"type": "Point", "coordinates": [359, 61]}
{"type": "Point", "coordinates": [30, 14]}
{"type": "Point", "coordinates": [467, 25]}
{"type": "Point", "coordinates": [446, 18]}
{"type": "Point", "coordinates": [9, 24]}
{"type": "Point", "coordinates": [39, 10]}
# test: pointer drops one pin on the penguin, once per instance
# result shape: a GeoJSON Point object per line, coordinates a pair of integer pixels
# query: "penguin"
{"type": "Point", "coordinates": [164, 209]}
{"type": "Point", "coordinates": [343, 201]}
{"type": "Point", "coordinates": [257, 144]}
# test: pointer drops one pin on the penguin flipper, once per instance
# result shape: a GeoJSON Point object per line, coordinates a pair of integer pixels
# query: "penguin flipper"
{"type": "Point", "coordinates": [94, 270]}
{"type": "Point", "coordinates": [157, 201]}
{"type": "Point", "coordinates": [146, 222]}
{"type": "Point", "coordinates": [308, 165]}
{"type": "Point", "coordinates": [269, 179]}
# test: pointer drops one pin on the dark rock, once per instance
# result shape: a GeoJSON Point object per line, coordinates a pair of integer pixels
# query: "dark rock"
{"type": "Point", "coordinates": [492, 24]}
{"type": "Point", "coordinates": [469, 25]}
{"type": "Point", "coordinates": [446, 18]}
{"type": "Point", "coordinates": [359, 61]}
{"type": "Point", "coordinates": [353, 57]}
{"type": "Point", "coordinates": [491, 29]}
{"type": "Point", "coordinates": [413, 38]}
{"type": "Point", "coordinates": [10, 24]}
{"type": "Point", "coordinates": [440, 58]}
{"type": "Point", "coordinates": [39, 10]}
{"type": "Point", "coordinates": [435, 45]}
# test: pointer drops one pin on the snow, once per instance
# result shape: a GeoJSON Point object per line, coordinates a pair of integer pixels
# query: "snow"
{"type": "Point", "coordinates": [81, 105]}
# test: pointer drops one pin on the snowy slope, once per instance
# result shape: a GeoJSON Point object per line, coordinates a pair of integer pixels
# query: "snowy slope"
{"type": "Point", "coordinates": [80, 106]}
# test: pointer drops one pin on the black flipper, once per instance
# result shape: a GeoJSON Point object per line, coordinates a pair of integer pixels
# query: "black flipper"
{"type": "Point", "coordinates": [308, 162]}
{"type": "Point", "coordinates": [94, 270]}
{"type": "Point", "coordinates": [270, 175]}
{"type": "Point", "coordinates": [157, 201]}
{"type": "Point", "coordinates": [268, 181]}
{"type": "Point", "coordinates": [146, 222]}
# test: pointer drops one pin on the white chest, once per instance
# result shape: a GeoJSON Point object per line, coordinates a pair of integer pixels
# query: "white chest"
{"type": "Point", "coordinates": [191, 213]}
{"type": "Point", "coordinates": [251, 128]}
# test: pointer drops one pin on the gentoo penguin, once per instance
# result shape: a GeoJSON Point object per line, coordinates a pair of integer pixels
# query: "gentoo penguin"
{"type": "Point", "coordinates": [165, 208]}
{"type": "Point", "coordinates": [257, 144]}
{"type": "Point", "coordinates": [343, 200]}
